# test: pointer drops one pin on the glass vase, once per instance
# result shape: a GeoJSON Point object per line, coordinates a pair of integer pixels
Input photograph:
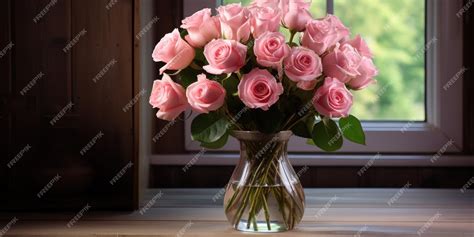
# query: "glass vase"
{"type": "Point", "coordinates": [264, 193]}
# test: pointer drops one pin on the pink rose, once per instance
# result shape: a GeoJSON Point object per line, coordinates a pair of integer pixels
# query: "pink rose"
{"type": "Point", "coordinates": [333, 99]}
{"type": "Point", "coordinates": [270, 49]}
{"type": "Point", "coordinates": [235, 22]}
{"type": "Point", "coordinates": [202, 28]}
{"type": "Point", "coordinates": [264, 19]}
{"type": "Point", "coordinates": [224, 56]}
{"type": "Point", "coordinates": [169, 97]}
{"type": "Point", "coordinates": [367, 72]}
{"type": "Point", "coordinates": [303, 66]}
{"type": "Point", "coordinates": [342, 63]}
{"type": "Point", "coordinates": [174, 51]}
{"type": "Point", "coordinates": [361, 46]}
{"type": "Point", "coordinates": [298, 14]}
{"type": "Point", "coordinates": [205, 95]}
{"type": "Point", "coordinates": [321, 35]}
{"type": "Point", "coordinates": [259, 89]}
{"type": "Point", "coordinates": [294, 13]}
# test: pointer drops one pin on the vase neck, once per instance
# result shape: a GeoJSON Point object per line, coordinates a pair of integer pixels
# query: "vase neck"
{"type": "Point", "coordinates": [255, 146]}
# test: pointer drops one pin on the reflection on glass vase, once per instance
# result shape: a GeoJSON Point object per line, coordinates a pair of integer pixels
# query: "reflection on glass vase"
{"type": "Point", "coordinates": [264, 193]}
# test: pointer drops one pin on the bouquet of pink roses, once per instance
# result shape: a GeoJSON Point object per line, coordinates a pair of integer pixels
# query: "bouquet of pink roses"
{"type": "Point", "coordinates": [240, 73]}
{"type": "Point", "coordinates": [239, 60]}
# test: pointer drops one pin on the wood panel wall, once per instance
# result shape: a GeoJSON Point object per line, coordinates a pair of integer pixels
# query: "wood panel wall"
{"type": "Point", "coordinates": [62, 79]}
{"type": "Point", "coordinates": [5, 91]}
{"type": "Point", "coordinates": [469, 79]}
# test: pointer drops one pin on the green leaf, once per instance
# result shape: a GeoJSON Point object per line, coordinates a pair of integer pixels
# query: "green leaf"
{"type": "Point", "coordinates": [352, 129]}
{"type": "Point", "coordinates": [208, 128]}
{"type": "Point", "coordinates": [231, 84]}
{"type": "Point", "coordinates": [200, 56]}
{"type": "Point", "coordinates": [188, 76]}
{"type": "Point", "coordinates": [301, 130]}
{"type": "Point", "coordinates": [305, 128]}
{"type": "Point", "coordinates": [293, 44]}
{"type": "Point", "coordinates": [326, 135]}
{"type": "Point", "coordinates": [183, 33]}
{"type": "Point", "coordinates": [217, 144]}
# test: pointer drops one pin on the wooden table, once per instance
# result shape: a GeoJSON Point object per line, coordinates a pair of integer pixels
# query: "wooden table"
{"type": "Point", "coordinates": [329, 212]}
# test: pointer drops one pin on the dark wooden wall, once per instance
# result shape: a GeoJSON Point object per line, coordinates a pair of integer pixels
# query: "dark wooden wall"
{"type": "Point", "coordinates": [107, 35]}
{"type": "Point", "coordinates": [469, 79]}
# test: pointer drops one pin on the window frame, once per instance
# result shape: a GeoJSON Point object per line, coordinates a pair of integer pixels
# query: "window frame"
{"type": "Point", "coordinates": [419, 140]}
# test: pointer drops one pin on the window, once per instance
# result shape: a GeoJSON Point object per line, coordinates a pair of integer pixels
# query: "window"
{"type": "Point", "coordinates": [415, 107]}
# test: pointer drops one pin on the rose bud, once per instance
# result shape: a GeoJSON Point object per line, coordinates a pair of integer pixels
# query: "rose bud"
{"type": "Point", "coordinates": [174, 51]}
{"type": "Point", "coordinates": [169, 97]}
{"type": "Point", "coordinates": [205, 95]}
{"type": "Point", "coordinates": [202, 28]}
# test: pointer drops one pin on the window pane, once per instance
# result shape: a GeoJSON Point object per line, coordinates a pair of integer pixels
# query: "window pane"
{"type": "Point", "coordinates": [395, 31]}
{"type": "Point", "coordinates": [244, 2]}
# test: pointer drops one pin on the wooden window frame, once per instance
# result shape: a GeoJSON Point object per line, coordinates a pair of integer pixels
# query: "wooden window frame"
{"type": "Point", "coordinates": [418, 142]}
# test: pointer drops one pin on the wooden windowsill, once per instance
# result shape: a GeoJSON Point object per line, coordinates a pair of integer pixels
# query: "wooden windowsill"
{"type": "Point", "coordinates": [365, 211]}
